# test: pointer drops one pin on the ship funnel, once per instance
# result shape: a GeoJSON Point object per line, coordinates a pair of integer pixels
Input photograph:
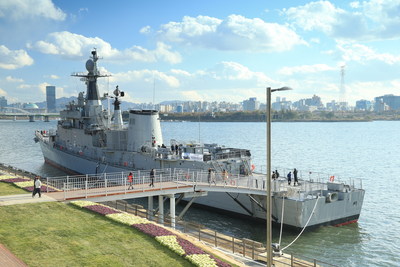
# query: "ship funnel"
{"type": "Point", "coordinates": [144, 130]}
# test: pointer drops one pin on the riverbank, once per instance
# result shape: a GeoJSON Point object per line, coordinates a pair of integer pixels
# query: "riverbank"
{"type": "Point", "coordinates": [285, 116]}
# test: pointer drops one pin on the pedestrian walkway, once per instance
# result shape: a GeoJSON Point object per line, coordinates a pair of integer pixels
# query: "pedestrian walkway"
{"type": "Point", "coordinates": [7, 259]}
{"type": "Point", "coordinates": [23, 199]}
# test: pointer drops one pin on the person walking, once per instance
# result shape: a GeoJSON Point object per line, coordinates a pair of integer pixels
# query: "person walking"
{"type": "Point", "coordinates": [296, 181]}
{"type": "Point", "coordinates": [276, 174]}
{"type": "Point", "coordinates": [209, 176]}
{"type": "Point", "coordinates": [225, 176]}
{"type": "Point", "coordinates": [37, 185]}
{"type": "Point", "coordinates": [289, 178]}
{"type": "Point", "coordinates": [152, 178]}
{"type": "Point", "coordinates": [213, 177]}
{"type": "Point", "coordinates": [130, 180]}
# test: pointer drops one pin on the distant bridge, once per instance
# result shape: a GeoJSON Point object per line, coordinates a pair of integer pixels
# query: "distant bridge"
{"type": "Point", "coordinates": [18, 112]}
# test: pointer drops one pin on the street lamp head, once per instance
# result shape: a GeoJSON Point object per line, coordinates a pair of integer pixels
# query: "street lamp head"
{"type": "Point", "coordinates": [285, 88]}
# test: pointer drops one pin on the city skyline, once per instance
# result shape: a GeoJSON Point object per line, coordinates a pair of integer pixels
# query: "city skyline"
{"type": "Point", "coordinates": [201, 51]}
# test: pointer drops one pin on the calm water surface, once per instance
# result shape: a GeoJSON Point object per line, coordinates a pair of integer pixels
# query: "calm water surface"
{"type": "Point", "coordinates": [365, 150]}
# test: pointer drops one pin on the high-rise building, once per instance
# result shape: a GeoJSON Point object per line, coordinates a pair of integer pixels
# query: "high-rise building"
{"type": "Point", "coordinates": [3, 102]}
{"type": "Point", "coordinates": [51, 98]}
{"type": "Point", "coordinates": [392, 101]}
{"type": "Point", "coordinates": [363, 104]}
{"type": "Point", "coordinates": [251, 105]}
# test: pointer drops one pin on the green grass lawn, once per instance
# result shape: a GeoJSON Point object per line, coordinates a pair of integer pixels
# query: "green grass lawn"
{"type": "Point", "coordinates": [57, 234]}
{"type": "Point", "coordinates": [10, 189]}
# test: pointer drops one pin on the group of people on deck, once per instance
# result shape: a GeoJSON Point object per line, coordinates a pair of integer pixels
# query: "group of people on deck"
{"type": "Point", "coordinates": [275, 175]}
{"type": "Point", "coordinates": [289, 177]}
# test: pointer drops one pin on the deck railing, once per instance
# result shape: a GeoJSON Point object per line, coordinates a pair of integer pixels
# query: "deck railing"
{"type": "Point", "coordinates": [111, 183]}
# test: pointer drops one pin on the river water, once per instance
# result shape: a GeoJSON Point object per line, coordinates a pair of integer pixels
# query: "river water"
{"type": "Point", "coordinates": [365, 150]}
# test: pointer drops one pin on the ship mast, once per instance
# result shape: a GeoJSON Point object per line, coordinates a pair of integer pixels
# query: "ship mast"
{"type": "Point", "coordinates": [93, 102]}
{"type": "Point", "coordinates": [118, 123]}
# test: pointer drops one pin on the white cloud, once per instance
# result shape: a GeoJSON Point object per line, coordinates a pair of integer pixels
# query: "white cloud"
{"type": "Point", "coordinates": [193, 95]}
{"type": "Point", "coordinates": [145, 30]}
{"type": "Point", "coordinates": [368, 20]}
{"type": "Point", "coordinates": [14, 80]}
{"type": "Point", "coordinates": [2, 92]}
{"type": "Point", "coordinates": [42, 87]}
{"type": "Point", "coordinates": [306, 69]}
{"type": "Point", "coordinates": [147, 76]}
{"type": "Point", "coordinates": [14, 59]}
{"type": "Point", "coordinates": [180, 72]}
{"type": "Point", "coordinates": [234, 33]}
{"type": "Point", "coordinates": [54, 77]}
{"type": "Point", "coordinates": [368, 90]}
{"type": "Point", "coordinates": [362, 53]}
{"type": "Point", "coordinates": [27, 9]}
{"type": "Point", "coordinates": [73, 45]}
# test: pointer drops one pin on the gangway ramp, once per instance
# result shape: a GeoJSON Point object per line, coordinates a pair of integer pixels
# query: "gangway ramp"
{"type": "Point", "coordinates": [115, 186]}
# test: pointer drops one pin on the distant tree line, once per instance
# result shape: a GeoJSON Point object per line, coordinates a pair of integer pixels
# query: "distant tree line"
{"type": "Point", "coordinates": [283, 115]}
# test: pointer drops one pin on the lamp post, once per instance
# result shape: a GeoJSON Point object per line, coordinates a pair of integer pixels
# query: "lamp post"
{"type": "Point", "coordinates": [268, 187]}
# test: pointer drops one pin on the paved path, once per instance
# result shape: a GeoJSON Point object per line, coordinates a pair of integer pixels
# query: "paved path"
{"type": "Point", "coordinates": [23, 199]}
{"type": "Point", "coordinates": [7, 259]}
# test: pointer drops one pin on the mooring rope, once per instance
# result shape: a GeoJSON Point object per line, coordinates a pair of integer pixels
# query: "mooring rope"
{"type": "Point", "coordinates": [283, 209]}
{"type": "Point", "coordinates": [309, 219]}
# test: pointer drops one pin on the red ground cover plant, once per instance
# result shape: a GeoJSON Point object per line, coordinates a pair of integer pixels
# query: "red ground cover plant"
{"type": "Point", "coordinates": [43, 189]}
{"type": "Point", "coordinates": [15, 180]}
{"type": "Point", "coordinates": [152, 229]}
{"type": "Point", "coordinates": [101, 209]}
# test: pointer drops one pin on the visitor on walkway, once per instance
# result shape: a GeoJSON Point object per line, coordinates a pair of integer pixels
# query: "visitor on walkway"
{"type": "Point", "coordinates": [130, 180]}
{"type": "Point", "coordinates": [37, 185]}
{"type": "Point", "coordinates": [152, 178]}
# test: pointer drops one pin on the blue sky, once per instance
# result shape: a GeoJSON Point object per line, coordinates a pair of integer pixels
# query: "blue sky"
{"type": "Point", "coordinates": [201, 50]}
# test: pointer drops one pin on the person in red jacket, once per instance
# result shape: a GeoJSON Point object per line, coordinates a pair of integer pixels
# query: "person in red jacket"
{"type": "Point", "coordinates": [130, 180]}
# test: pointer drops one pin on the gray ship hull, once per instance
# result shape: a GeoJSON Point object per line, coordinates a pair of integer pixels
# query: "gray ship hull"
{"type": "Point", "coordinates": [297, 214]}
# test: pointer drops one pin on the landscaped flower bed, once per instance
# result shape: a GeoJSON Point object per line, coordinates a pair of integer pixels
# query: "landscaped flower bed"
{"type": "Point", "coordinates": [6, 176]}
{"type": "Point", "coordinates": [15, 180]}
{"type": "Point", "coordinates": [25, 183]}
{"type": "Point", "coordinates": [171, 242]}
{"type": "Point", "coordinates": [82, 203]}
{"type": "Point", "coordinates": [44, 189]}
{"type": "Point", "coordinates": [182, 247]}
{"type": "Point", "coordinates": [127, 218]}
{"type": "Point", "coordinates": [152, 229]}
{"type": "Point", "coordinates": [28, 186]}
{"type": "Point", "coordinates": [101, 209]}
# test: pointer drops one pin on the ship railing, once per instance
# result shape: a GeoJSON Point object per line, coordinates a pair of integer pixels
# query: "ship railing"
{"type": "Point", "coordinates": [313, 177]}
{"type": "Point", "coordinates": [108, 183]}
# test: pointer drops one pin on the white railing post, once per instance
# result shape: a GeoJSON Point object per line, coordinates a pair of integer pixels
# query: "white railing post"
{"type": "Point", "coordinates": [160, 181]}
{"type": "Point", "coordinates": [125, 181]}
{"type": "Point", "coordinates": [142, 182]}
{"type": "Point", "coordinates": [47, 184]}
{"type": "Point", "coordinates": [65, 192]}
{"type": "Point", "coordinates": [86, 187]}
{"type": "Point", "coordinates": [105, 184]}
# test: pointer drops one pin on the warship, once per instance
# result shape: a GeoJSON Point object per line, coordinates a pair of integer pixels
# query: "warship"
{"type": "Point", "coordinates": [90, 140]}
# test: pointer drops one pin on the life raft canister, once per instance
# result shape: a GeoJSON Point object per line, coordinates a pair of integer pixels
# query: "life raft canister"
{"type": "Point", "coordinates": [332, 178]}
